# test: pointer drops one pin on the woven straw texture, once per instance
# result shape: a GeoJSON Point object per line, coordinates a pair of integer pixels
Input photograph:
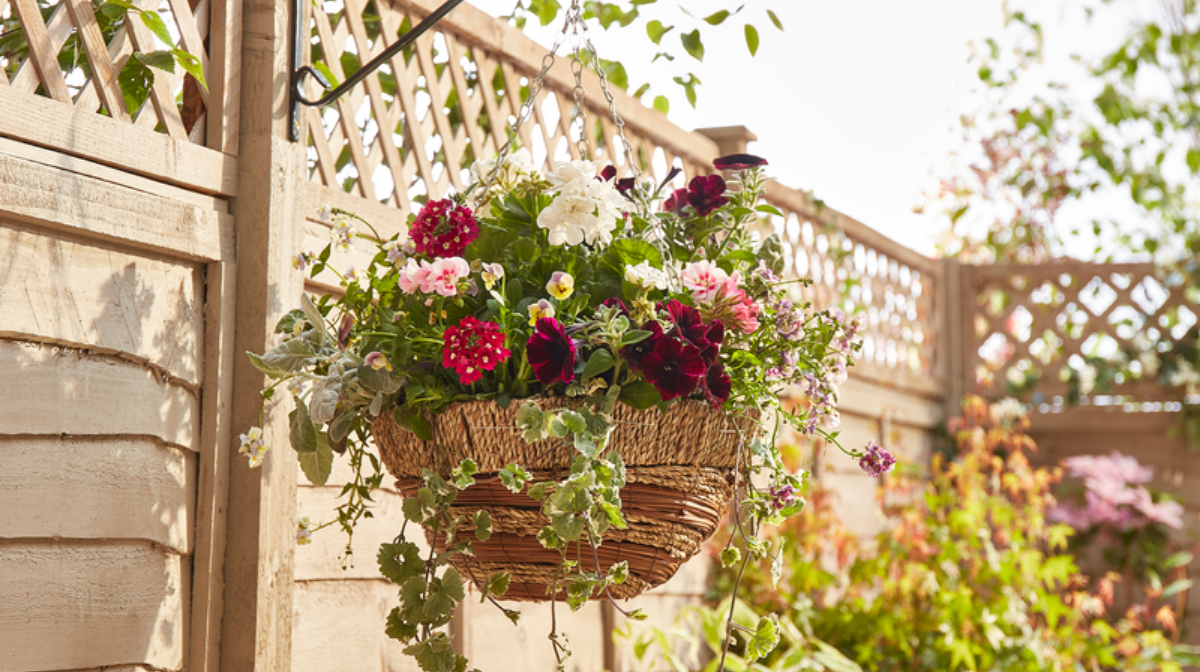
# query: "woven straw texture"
{"type": "Point", "coordinates": [679, 472]}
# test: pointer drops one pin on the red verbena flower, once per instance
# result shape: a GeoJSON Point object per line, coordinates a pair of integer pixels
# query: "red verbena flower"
{"type": "Point", "coordinates": [551, 352]}
{"type": "Point", "coordinates": [443, 229]}
{"type": "Point", "coordinates": [706, 193]}
{"type": "Point", "coordinates": [673, 368]}
{"type": "Point", "coordinates": [739, 162]}
{"type": "Point", "coordinates": [472, 347]}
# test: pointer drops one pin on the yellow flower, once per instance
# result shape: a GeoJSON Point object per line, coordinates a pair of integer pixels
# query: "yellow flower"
{"type": "Point", "coordinates": [561, 285]}
{"type": "Point", "coordinates": [539, 310]}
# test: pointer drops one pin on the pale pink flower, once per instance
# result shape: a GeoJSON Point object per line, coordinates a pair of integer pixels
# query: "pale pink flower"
{"type": "Point", "coordinates": [444, 275]}
{"type": "Point", "coordinates": [704, 279]}
{"type": "Point", "coordinates": [413, 275]}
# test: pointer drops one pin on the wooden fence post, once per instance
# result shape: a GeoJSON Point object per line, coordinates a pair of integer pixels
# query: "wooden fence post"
{"type": "Point", "coordinates": [951, 324]}
{"type": "Point", "coordinates": [257, 624]}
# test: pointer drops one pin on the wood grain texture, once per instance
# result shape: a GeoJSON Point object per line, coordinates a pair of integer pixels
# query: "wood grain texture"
{"type": "Point", "coordinates": [70, 605]}
{"type": "Point", "coordinates": [64, 291]}
{"type": "Point", "coordinates": [83, 133]}
{"type": "Point", "coordinates": [97, 488]}
{"type": "Point", "coordinates": [52, 390]}
{"type": "Point", "coordinates": [56, 198]}
{"type": "Point", "coordinates": [339, 625]}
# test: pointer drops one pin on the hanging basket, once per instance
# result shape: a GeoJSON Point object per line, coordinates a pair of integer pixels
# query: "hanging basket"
{"type": "Point", "coordinates": [679, 470]}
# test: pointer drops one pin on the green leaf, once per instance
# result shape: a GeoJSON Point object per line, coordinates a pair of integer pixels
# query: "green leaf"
{"type": "Point", "coordinates": [662, 104]}
{"type": "Point", "coordinates": [115, 10]}
{"type": "Point", "coordinates": [257, 362]}
{"type": "Point", "coordinates": [573, 421]}
{"type": "Point", "coordinates": [636, 615]}
{"type": "Point", "coordinates": [730, 556]}
{"type": "Point", "coordinates": [634, 336]}
{"type": "Point", "coordinates": [600, 361]}
{"type": "Point", "coordinates": [400, 562]}
{"type": "Point", "coordinates": [764, 639]}
{"type": "Point", "coordinates": [155, 23]}
{"type": "Point", "coordinates": [444, 595]}
{"type": "Point", "coordinates": [191, 65]}
{"type": "Point", "coordinates": [420, 426]}
{"type": "Point", "coordinates": [302, 431]}
{"type": "Point", "coordinates": [717, 18]}
{"type": "Point", "coordinates": [774, 19]}
{"type": "Point", "coordinates": [398, 628]}
{"type": "Point", "coordinates": [318, 464]}
{"type": "Point", "coordinates": [545, 10]}
{"type": "Point", "coordinates": [1193, 159]}
{"type": "Point", "coordinates": [640, 395]}
{"type": "Point", "coordinates": [538, 491]}
{"type": "Point", "coordinates": [752, 39]}
{"type": "Point", "coordinates": [163, 60]}
{"type": "Point", "coordinates": [483, 525]}
{"type": "Point", "coordinates": [436, 654]}
{"type": "Point", "coordinates": [1175, 588]}
{"type": "Point", "coordinates": [379, 380]}
{"type": "Point", "coordinates": [496, 585]}
{"type": "Point", "coordinates": [832, 659]}
{"type": "Point", "coordinates": [514, 478]}
{"type": "Point", "coordinates": [655, 30]}
{"type": "Point", "coordinates": [693, 45]}
{"type": "Point", "coordinates": [290, 356]}
{"type": "Point", "coordinates": [314, 317]}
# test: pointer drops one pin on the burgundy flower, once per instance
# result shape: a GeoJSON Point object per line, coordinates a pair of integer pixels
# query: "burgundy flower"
{"type": "Point", "coordinates": [717, 385]}
{"type": "Point", "coordinates": [609, 172]}
{"type": "Point", "coordinates": [673, 368]}
{"type": "Point", "coordinates": [688, 323]}
{"type": "Point", "coordinates": [676, 201]}
{"type": "Point", "coordinates": [739, 162]}
{"type": "Point", "coordinates": [625, 184]}
{"type": "Point", "coordinates": [714, 336]}
{"type": "Point", "coordinates": [635, 352]}
{"type": "Point", "coordinates": [443, 229]}
{"type": "Point", "coordinates": [706, 193]}
{"type": "Point", "coordinates": [551, 352]}
{"type": "Point", "coordinates": [672, 174]}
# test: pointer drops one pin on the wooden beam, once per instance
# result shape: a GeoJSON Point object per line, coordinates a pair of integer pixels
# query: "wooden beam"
{"type": "Point", "coordinates": [62, 127]}
{"type": "Point", "coordinates": [256, 609]}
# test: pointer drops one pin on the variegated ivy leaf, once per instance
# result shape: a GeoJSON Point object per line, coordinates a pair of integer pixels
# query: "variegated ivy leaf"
{"type": "Point", "coordinates": [496, 586]}
{"type": "Point", "coordinates": [764, 639]}
{"type": "Point", "coordinates": [514, 478]}
{"type": "Point", "coordinates": [730, 556]}
{"type": "Point", "coordinates": [483, 525]}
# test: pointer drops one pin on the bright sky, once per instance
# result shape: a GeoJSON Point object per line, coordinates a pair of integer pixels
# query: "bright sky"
{"type": "Point", "coordinates": [856, 101]}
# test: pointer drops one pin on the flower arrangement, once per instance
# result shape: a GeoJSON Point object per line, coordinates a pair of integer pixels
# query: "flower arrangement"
{"type": "Point", "coordinates": [573, 285]}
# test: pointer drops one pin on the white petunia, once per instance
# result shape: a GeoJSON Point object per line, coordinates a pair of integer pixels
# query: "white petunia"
{"type": "Point", "coordinates": [584, 210]}
{"type": "Point", "coordinates": [646, 276]}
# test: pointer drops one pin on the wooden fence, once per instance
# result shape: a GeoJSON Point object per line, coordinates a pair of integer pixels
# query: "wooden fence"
{"type": "Point", "coordinates": [136, 233]}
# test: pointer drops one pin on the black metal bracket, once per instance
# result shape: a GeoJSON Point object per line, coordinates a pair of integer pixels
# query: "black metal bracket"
{"type": "Point", "coordinates": [300, 43]}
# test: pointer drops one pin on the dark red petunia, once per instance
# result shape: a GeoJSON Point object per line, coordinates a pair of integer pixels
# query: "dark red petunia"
{"type": "Point", "coordinates": [706, 193]}
{"type": "Point", "coordinates": [673, 368]}
{"type": "Point", "coordinates": [551, 352]}
{"type": "Point", "coordinates": [739, 162]}
{"type": "Point", "coordinates": [688, 323]}
{"type": "Point", "coordinates": [609, 172]}
{"type": "Point", "coordinates": [635, 352]}
{"type": "Point", "coordinates": [625, 184]}
{"type": "Point", "coordinates": [676, 201]}
{"type": "Point", "coordinates": [717, 385]}
{"type": "Point", "coordinates": [715, 335]}
{"type": "Point", "coordinates": [443, 229]}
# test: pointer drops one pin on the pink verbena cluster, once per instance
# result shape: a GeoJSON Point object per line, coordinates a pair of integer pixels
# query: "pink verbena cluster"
{"type": "Point", "coordinates": [1114, 498]}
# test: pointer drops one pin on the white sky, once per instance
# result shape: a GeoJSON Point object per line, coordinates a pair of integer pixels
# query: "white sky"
{"type": "Point", "coordinates": [856, 101]}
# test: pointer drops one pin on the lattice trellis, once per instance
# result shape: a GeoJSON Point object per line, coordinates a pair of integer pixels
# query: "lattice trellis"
{"type": "Point", "coordinates": [414, 127]}
{"type": "Point", "coordinates": [1037, 330]}
{"type": "Point", "coordinates": [70, 52]}
{"type": "Point", "coordinates": [858, 270]}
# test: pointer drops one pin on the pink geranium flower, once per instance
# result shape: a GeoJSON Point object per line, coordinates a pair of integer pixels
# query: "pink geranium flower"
{"type": "Point", "coordinates": [439, 277]}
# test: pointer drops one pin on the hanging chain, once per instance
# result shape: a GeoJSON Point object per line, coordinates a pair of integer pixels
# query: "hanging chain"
{"type": "Point", "coordinates": [575, 27]}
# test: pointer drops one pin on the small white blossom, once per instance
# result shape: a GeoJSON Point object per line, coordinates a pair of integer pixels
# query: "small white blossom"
{"type": "Point", "coordinates": [304, 531]}
{"type": "Point", "coordinates": [645, 276]}
{"type": "Point", "coordinates": [325, 212]}
{"type": "Point", "coordinates": [342, 234]}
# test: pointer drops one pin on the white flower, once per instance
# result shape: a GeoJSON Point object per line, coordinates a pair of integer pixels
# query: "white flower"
{"type": "Point", "coordinates": [253, 446]}
{"type": "Point", "coordinates": [304, 531]}
{"type": "Point", "coordinates": [351, 276]}
{"type": "Point", "coordinates": [585, 209]}
{"type": "Point", "coordinates": [491, 274]}
{"type": "Point", "coordinates": [325, 212]}
{"type": "Point", "coordinates": [705, 279]}
{"type": "Point", "coordinates": [646, 276]}
{"type": "Point", "coordinates": [1007, 409]}
{"type": "Point", "coordinates": [342, 234]}
{"type": "Point", "coordinates": [517, 165]}
{"type": "Point", "coordinates": [579, 170]}
{"type": "Point", "coordinates": [1087, 379]}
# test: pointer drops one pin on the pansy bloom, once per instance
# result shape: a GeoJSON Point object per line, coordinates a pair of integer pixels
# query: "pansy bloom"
{"type": "Point", "coordinates": [443, 229]}
{"type": "Point", "coordinates": [706, 193]}
{"type": "Point", "coordinates": [472, 347]}
{"type": "Point", "coordinates": [551, 352]}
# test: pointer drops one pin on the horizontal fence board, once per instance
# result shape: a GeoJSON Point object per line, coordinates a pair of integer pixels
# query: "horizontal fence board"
{"type": "Point", "coordinates": [72, 605]}
{"type": "Point", "coordinates": [493, 644]}
{"type": "Point", "coordinates": [322, 559]}
{"type": "Point", "coordinates": [315, 238]}
{"type": "Point", "coordinates": [97, 488]}
{"type": "Point", "coordinates": [55, 197]}
{"type": "Point", "coordinates": [83, 133]}
{"type": "Point", "coordinates": [60, 290]}
{"type": "Point", "coordinates": [387, 220]}
{"type": "Point", "coordinates": [51, 390]}
{"type": "Point", "coordinates": [339, 625]}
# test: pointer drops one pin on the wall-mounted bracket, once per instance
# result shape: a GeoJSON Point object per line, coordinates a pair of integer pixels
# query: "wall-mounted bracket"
{"type": "Point", "coordinates": [300, 43]}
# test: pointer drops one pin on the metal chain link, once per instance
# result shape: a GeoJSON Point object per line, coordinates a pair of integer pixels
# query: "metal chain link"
{"type": "Point", "coordinates": [573, 26]}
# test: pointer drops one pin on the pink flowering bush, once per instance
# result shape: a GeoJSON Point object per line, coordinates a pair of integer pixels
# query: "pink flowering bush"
{"type": "Point", "coordinates": [1118, 512]}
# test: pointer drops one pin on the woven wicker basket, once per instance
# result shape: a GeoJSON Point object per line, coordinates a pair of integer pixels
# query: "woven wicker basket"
{"type": "Point", "coordinates": [679, 470]}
